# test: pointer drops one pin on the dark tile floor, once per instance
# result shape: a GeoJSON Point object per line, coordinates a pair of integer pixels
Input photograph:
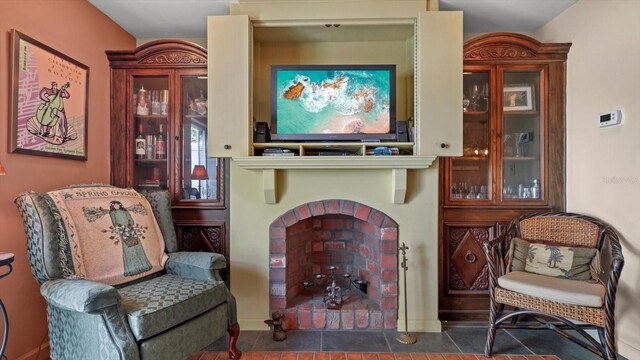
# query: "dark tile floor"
{"type": "Point", "coordinates": [456, 339]}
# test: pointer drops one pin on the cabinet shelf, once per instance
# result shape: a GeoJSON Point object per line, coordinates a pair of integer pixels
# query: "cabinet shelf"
{"type": "Point", "coordinates": [151, 117]}
{"type": "Point", "coordinates": [521, 158]}
{"type": "Point", "coordinates": [472, 158]}
{"type": "Point", "coordinates": [475, 113]}
{"type": "Point", "coordinates": [197, 117]}
{"type": "Point", "coordinates": [151, 162]}
{"type": "Point", "coordinates": [353, 149]}
{"type": "Point", "coordinates": [520, 113]}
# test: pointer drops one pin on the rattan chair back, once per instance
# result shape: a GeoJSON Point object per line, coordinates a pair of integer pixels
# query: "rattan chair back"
{"type": "Point", "coordinates": [560, 230]}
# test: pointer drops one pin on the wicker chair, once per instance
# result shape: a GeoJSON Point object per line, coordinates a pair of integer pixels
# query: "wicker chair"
{"type": "Point", "coordinates": [562, 229]}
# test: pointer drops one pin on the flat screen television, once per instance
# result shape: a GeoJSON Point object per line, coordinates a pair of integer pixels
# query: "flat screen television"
{"type": "Point", "coordinates": [333, 102]}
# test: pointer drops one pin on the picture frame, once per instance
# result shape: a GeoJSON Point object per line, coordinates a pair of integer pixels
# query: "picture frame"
{"type": "Point", "coordinates": [49, 101]}
{"type": "Point", "coordinates": [518, 97]}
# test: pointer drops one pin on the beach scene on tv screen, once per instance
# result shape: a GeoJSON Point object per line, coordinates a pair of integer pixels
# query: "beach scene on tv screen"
{"type": "Point", "coordinates": [333, 101]}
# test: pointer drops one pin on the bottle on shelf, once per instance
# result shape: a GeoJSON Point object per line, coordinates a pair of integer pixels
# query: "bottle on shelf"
{"type": "Point", "coordinates": [141, 144]}
{"type": "Point", "coordinates": [142, 105]}
{"type": "Point", "coordinates": [164, 103]}
{"type": "Point", "coordinates": [201, 104]}
{"type": "Point", "coordinates": [535, 189]}
{"type": "Point", "coordinates": [155, 102]}
{"type": "Point", "coordinates": [150, 147]}
{"type": "Point", "coordinates": [161, 144]}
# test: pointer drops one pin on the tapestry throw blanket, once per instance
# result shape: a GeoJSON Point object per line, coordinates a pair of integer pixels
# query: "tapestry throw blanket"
{"type": "Point", "coordinates": [107, 234]}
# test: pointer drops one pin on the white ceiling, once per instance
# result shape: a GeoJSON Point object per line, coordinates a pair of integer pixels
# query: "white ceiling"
{"type": "Point", "coordinates": [188, 18]}
{"type": "Point", "coordinates": [163, 18]}
{"type": "Point", "coordinates": [506, 15]}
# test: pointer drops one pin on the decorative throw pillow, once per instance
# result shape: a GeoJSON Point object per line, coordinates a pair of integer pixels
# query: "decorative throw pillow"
{"type": "Point", "coordinates": [107, 234]}
{"type": "Point", "coordinates": [575, 263]}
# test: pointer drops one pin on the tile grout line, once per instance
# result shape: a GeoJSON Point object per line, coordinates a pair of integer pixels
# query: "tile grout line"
{"type": "Point", "coordinates": [386, 339]}
{"type": "Point", "coordinates": [253, 346]}
{"type": "Point", "coordinates": [519, 342]}
{"type": "Point", "coordinates": [453, 341]}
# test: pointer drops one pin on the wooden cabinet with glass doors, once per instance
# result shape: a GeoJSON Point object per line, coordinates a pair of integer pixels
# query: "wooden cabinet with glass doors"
{"type": "Point", "coordinates": [159, 138]}
{"type": "Point", "coordinates": [513, 158]}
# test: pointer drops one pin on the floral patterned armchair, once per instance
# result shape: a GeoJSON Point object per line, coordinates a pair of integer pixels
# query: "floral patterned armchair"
{"type": "Point", "coordinates": [168, 314]}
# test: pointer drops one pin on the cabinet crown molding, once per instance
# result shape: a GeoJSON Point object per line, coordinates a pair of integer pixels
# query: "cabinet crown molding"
{"type": "Point", "coordinates": [173, 58]}
{"type": "Point", "coordinates": [503, 46]}
{"type": "Point", "coordinates": [160, 53]}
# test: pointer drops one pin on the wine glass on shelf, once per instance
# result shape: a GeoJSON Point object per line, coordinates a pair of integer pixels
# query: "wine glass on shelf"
{"type": "Point", "coordinates": [485, 97]}
{"type": "Point", "coordinates": [474, 95]}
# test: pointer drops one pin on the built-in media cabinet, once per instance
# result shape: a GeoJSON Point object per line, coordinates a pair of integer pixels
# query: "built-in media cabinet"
{"type": "Point", "coordinates": [512, 162]}
{"type": "Point", "coordinates": [424, 46]}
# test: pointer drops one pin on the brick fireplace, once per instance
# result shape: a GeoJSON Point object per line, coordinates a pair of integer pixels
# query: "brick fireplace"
{"type": "Point", "coordinates": [349, 237]}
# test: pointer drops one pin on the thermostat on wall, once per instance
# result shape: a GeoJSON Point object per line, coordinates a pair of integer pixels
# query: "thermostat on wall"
{"type": "Point", "coordinates": [611, 118]}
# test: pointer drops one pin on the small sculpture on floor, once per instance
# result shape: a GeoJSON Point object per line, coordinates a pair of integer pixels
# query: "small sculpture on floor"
{"type": "Point", "coordinates": [276, 323]}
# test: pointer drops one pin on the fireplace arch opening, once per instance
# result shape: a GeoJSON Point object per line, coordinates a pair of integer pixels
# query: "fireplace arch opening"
{"type": "Point", "coordinates": [333, 264]}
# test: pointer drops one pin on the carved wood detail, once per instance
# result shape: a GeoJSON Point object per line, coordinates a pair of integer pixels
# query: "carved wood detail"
{"type": "Point", "coordinates": [467, 259]}
{"type": "Point", "coordinates": [482, 281]}
{"type": "Point", "coordinates": [455, 281]}
{"type": "Point", "coordinates": [173, 58]}
{"type": "Point", "coordinates": [202, 238]}
{"type": "Point", "coordinates": [499, 52]}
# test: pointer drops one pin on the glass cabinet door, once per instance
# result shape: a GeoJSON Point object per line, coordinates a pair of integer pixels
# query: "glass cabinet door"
{"type": "Point", "coordinates": [522, 135]}
{"type": "Point", "coordinates": [150, 109]}
{"type": "Point", "coordinates": [470, 176]}
{"type": "Point", "coordinates": [200, 177]}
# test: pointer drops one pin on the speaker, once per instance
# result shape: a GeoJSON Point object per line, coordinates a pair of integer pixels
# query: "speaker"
{"type": "Point", "coordinates": [261, 134]}
{"type": "Point", "coordinates": [401, 131]}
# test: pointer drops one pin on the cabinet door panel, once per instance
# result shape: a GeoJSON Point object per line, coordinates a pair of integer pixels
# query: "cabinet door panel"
{"type": "Point", "coordinates": [524, 135]}
{"type": "Point", "coordinates": [439, 81]}
{"type": "Point", "coordinates": [470, 176]}
{"type": "Point", "coordinates": [229, 85]}
{"type": "Point", "coordinates": [150, 122]}
{"type": "Point", "coordinates": [465, 264]}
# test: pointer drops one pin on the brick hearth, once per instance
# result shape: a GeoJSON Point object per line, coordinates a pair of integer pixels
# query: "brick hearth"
{"type": "Point", "coordinates": [353, 237]}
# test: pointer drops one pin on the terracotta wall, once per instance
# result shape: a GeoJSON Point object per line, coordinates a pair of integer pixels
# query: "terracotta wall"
{"type": "Point", "coordinates": [603, 165]}
{"type": "Point", "coordinates": [79, 30]}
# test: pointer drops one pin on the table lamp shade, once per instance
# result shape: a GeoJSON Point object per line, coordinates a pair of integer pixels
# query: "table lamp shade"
{"type": "Point", "coordinates": [199, 173]}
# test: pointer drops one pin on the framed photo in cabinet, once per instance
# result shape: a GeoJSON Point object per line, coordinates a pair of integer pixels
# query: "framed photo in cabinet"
{"type": "Point", "coordinates": [518, 97]}
{"type": "Point", "coordinates": [48, 101]}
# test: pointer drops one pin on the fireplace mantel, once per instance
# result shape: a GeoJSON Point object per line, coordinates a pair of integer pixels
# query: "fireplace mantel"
{"type": "Point", "coordinates": [398, 165]}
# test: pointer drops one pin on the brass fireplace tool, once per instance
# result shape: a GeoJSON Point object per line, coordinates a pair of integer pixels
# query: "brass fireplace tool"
{"type": "Point", "coordinates": [405, 338]}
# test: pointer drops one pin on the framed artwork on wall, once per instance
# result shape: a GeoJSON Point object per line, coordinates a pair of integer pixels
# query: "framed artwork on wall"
{"type": "Point", "coordinates": [49, 101]}
{"type": "Point", "coordinates": [518, 97]}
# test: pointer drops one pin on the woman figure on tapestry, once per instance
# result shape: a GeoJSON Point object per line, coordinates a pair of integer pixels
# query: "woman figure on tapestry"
{"type": "Point", "coordinates": [124, 230]}
{"type": "Point", "coordinates": [130, 233]}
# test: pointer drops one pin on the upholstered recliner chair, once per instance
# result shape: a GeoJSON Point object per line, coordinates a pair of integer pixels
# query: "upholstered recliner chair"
{"type": "Point", "coordinates": [549, 267]}
{"type": "Point", "coordinates": [161, 305]}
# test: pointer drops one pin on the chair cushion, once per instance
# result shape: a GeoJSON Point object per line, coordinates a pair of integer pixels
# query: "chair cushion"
{"type": "Point", "coordinates": [43, 248]}
{"type": "Point", "coordinates": [567, 291]}
{"type": "Point", "coordinates": [160, 202]}
{"type": "Point", "coordinates": [107, 234]}
{"type": "Point", "coordinates": [158, 304]}
{"type": "Point", "coordinates": [575, 263]}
